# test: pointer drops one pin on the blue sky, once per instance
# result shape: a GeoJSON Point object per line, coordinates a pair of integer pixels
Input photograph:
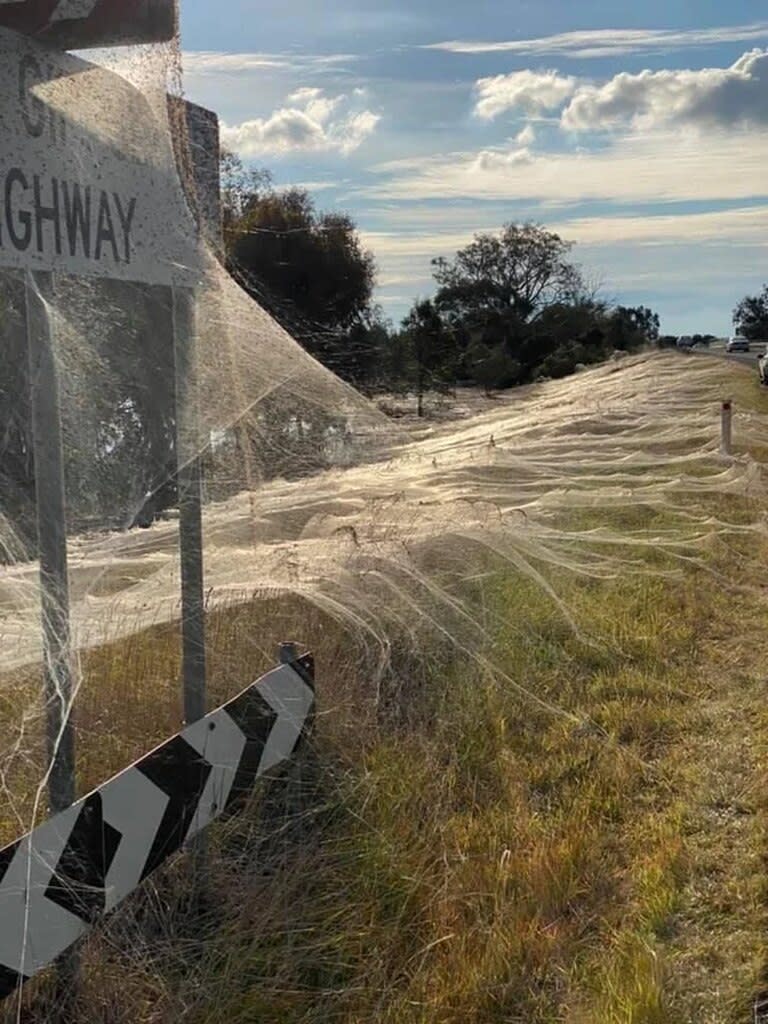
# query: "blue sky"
{"type": "Point", "coordinates": [638, 131]}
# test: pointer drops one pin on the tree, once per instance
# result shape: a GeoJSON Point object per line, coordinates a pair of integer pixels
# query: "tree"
{"type": "Point", "coordinates": [515, 273]}
{"type": "Point", "coordinates": [492, 367]}
{"type": "Point", "coordinates": [751, 316]}
{"type": "Point", "coordinates": [495, 293]}
{"type": "Point", "coordinates": [630, 327]}
{"type": "Point", "coordinates": [431, 349]}
{"type": "Point", "coordinates": [239, 187]}
{"type": "Point", "coordinates": [309, 270]}
{"type": "Point", "coordinates": [519, 308]}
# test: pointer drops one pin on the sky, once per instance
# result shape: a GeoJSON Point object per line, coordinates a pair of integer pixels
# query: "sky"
{"type": "Point", "coordinates": [636, 131]}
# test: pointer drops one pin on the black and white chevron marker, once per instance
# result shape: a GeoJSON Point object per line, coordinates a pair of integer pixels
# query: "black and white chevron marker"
{"type": "Point", "coordinates": [56, 881]}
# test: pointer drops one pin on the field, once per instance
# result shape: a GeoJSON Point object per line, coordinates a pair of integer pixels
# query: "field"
{"type": "Point", "coordinates": [534, 789]}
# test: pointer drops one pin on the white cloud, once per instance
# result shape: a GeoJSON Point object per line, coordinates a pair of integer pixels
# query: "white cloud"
{"type": "Point", "coordinates": [530, 92]}
{"type": "Point", "coordinates": [316, 186]}
{"type": "Point", "coordinates": [491, 160]}
{"type": "Point", "coordinates": [712, 97]}
{"type": "Point", "coordinates": [741, 226]}
{"type": "Point", "coordinates": [658, 167]}
{"type": "Point", "coordinates": [356, 128]}
{"type": "Point", "coordinates": [311, 122]}
{"type": "Point", "coordinates": [315, 104]}
{"type": "Point", "coordinates": [610, 42]}
{"type": "Point", "coordinates": [214, 62]}
{"type": "Point", "coordinates": [526, 137]}
{"type": "Point", "coordinates": [285, 130]}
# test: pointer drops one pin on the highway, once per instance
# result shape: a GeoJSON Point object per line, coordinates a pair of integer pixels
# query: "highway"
{"type": "Point", "coordinates": [717, 349]}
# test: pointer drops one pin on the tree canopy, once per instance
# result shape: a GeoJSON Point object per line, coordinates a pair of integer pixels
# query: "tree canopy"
{"type": "Point", "coordinates": [516, 273]}
{"type": "Point", "coordinates": [309, 269]}
{"type": "Point", "coordinates": [751, 316]}
{"type": "Point", "coordinates": [513, 306]}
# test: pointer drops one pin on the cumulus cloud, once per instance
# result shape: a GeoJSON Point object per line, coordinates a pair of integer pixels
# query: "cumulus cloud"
{"type": "Point", "coordinates": [529, 92]}
{"type": "Point", "coordinates": [311, 121]}
{"type": "Point", "coordinates": [591, 43]}
{"type": "Point", "coordinates": [713, 97]}
{"type": "Point", "coordinates": [315, 104]}
{"type": "Point", "coordinates": [494, 160]}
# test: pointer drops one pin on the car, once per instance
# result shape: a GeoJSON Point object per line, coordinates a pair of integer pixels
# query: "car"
{"type": "Point", "coordinates": [736, 343]}
{"type": "Point", "coordinates": [762, 367]}
{"type": "Point", "coordinates": [685, 342]}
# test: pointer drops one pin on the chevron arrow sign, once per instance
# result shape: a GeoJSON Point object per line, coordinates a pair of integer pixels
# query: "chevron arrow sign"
{"type": "Point", "coordinates": [77, 24]}
{"type": "Point", "coordinates": [56, 881]}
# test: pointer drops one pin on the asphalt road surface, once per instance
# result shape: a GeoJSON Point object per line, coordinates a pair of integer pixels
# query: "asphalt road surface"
{"type": "Point", "coordinates": [718, 350]}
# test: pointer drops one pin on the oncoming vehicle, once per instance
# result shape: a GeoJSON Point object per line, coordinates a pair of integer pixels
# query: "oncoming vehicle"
{"type": "Point", "coordinates": [736, 343]}
{"type": "Point", "coordinates": [686, 341]}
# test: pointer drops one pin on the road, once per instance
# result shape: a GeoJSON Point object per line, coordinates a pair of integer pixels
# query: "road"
{"type": "Point", "coordinates": [718, 350]}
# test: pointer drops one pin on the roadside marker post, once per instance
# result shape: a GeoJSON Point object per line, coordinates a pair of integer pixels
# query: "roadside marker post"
{"type": "Point", "coordinates": [58, 881]}
{"type": "Point", "coordinates": [726, 427]}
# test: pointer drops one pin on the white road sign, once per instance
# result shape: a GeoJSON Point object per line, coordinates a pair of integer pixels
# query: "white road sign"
{"type": "Point", "coordinates": [88, 182]}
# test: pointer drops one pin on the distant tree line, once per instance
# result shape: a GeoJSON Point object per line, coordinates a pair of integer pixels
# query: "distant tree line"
{"type": "Point", "coordinates": [508, 309]}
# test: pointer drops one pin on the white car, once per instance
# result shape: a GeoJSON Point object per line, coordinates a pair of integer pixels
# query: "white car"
{"type": "Point", "coordinates": [736, 343]}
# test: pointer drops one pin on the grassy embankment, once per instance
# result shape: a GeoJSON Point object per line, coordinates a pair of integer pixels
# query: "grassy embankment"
{"type": "Point", "coordinates": [459, 852]}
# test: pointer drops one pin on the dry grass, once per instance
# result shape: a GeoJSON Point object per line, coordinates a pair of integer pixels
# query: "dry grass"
{"type": "Point", "coordinates": [454, 852]}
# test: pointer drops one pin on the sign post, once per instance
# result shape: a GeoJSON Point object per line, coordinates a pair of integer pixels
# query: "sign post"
{"type": "Point", "coordinates": [189, 479]}
{"type": "Point", "coordinates": [51, 540]}
{"type": "Point", "coordinates": [726, 427]}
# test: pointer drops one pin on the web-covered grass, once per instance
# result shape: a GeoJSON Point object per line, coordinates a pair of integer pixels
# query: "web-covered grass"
{"type": "Point", "coordinates": [537, 663]}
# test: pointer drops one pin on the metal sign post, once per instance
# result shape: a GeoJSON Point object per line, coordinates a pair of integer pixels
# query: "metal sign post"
{"type": "Point", "coordinates": [50, 495]}
{"type": "Point", "coordinates": [51, 540]}
{"type": "Point", "coordinates": [189, 480]}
